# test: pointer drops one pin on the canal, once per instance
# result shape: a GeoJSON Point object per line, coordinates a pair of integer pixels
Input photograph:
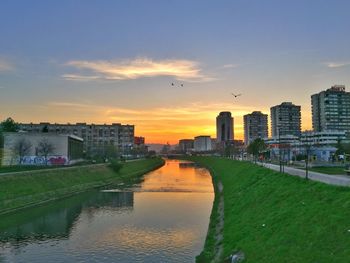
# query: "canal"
{"type": "Point", "coordinates": [164, 218]}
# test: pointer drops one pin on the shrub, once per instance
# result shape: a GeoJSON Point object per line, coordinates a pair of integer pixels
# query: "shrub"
{"type": "Point", "coordinates": [116, 166]}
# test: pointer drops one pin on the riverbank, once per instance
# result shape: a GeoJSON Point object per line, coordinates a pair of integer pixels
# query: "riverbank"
{"type": "Point", "coordinates": [32, 188]}
{"type": "Point", "coordinates": [274, 217]}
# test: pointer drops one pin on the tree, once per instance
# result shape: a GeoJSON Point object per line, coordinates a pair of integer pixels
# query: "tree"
{"type": "Point", "coordinates": [9, 125]}
{"type": "Point", "coordinates": [111, 152]}
{"type": "Point", "coordinates": [45, 129]}
{"type": "Point", "coordinates": [256, 147]}
{"type": "Point", "coordinates": [230, 150]}
{"type": "Point", "coordinates": [45, 148]}
{"type": "Point", "coordinates": [21, 148]}
{"type": "Point", "coordinates": [340, 148]}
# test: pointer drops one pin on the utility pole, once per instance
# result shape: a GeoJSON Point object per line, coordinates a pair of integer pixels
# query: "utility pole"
{"type": "Point", "coordinates": [307, 162]}
{"type": "Point", "coordinates": [279, 148]}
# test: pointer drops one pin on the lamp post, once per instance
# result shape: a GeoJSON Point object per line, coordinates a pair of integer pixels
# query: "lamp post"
{"type": "Point", "coordinates": [279, 148]}
{"type": "Point", "coordinates": [307, 146]}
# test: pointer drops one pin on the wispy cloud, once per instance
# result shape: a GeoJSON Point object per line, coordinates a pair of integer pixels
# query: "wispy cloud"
{"type": "Point", "coordinates": [185, 70]}
{"type": "Point", "coordinates": [5, 65]}
{"type": "Point", "coordinates": [337, 64]}
{"type": "Point", "coordinates": [69, 104]}
{"type": "Point", "coordinates": [230, 66]}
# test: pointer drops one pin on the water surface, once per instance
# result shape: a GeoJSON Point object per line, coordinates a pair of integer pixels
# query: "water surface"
{"type": "Point", "coordinates": [163, 219]}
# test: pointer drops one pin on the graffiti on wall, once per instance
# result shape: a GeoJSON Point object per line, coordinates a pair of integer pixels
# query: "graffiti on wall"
{"type": "Point", "coordinates": [39, 160]}
{"type": "Point", "coordinates": [57, 160]}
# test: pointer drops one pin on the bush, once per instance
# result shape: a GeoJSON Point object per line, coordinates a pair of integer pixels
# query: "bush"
{"type": "Point", "coordinates": [116, 166]}
{"type": "Point", "coordinates": [301, 157]}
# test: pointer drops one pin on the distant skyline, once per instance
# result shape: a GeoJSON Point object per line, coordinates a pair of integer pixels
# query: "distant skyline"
{"type": "Point", "coordinates": [114, 61]}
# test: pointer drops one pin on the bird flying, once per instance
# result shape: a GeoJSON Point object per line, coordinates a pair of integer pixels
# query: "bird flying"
{"type": "Point", "coordinates": [173, 84]}
{"type": "Point", "coordinates": [236, 95]}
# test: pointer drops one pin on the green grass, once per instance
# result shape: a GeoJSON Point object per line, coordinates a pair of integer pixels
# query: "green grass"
{"type": "Point", "coordinates": [23, 190]}
{"type": "Point", "coordinates": [329, 170]}
{"type": "Point", "coordinates": [305, 221]}
{"type": "Point", "coordinates": [22, 168]}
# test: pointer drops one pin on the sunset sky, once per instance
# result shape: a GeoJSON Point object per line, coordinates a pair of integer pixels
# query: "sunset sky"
{"type": "Point", "coordinates": [114, 61]}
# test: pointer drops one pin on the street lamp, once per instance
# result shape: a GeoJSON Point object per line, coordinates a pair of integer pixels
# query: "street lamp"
{"type": "Point", "coordinates": [307, 147]}
{"type": "Point", "coordinates": [279, 148]}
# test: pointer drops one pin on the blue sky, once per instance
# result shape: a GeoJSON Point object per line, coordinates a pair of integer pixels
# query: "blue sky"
{"type": "Point", "coordinates": [69, 61]}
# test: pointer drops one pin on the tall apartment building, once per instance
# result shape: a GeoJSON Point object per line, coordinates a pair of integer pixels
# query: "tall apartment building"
{"type": "Point", "coordinates": [96, 136]}
{"type": "Point", "coordinates": [331, 110]}
{"type": "Point", "coordinates": [255, 126]}
{"type": "Point", "coordinates": [285, 119]}
{"type": "Point", "coordinates": [224, 127]}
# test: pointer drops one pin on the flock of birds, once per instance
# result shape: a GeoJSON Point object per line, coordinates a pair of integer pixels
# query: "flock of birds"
{"type": "Point", "coordinates": [181, 85]}
{"type": "Point", "coordinates": [173, 84]}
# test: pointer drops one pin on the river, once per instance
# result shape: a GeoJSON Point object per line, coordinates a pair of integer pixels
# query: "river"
{"type": "Point", "coordinates": [164, 218]}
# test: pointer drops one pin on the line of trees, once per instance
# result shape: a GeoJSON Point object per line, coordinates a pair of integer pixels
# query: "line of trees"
{"type": "Point", "coordinates": [8, 125]}
{"type": "Point", "coordinates": [256, 148]}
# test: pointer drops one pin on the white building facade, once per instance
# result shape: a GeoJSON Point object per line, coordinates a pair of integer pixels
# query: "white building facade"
{"type": "Point", "coordinates": [21, 148]}
{"type": "Point", "coordinates": [202, 143]}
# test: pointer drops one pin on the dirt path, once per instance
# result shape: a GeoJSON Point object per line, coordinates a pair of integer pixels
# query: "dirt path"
{"type": "Point", "coordinates": [220, 226]}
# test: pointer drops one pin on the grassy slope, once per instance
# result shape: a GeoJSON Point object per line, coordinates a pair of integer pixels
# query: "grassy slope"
{"type": "Point", "coordinates": [17, 191]}
{"type": "Point", "coordinates": [23, 168]}
{"type": "Point", "coordinates": [304, 221]}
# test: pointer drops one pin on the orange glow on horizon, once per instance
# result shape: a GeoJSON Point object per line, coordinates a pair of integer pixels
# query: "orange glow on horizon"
{"type": "Point", "coordinates": [157, 125]}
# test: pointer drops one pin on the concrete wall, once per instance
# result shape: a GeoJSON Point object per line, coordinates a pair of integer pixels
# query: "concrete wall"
{"type": "Point", "coordinates": [59, 156]}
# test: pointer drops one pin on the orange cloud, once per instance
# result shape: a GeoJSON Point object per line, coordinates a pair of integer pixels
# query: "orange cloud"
{"type": "Point", "coordinates": [138, 68]}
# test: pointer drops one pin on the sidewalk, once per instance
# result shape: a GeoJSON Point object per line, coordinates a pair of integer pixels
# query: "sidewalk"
{"type": "Point", "coordinates": [340, 180]}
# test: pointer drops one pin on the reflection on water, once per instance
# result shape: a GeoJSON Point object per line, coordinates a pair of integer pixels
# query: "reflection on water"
{"type": "Point", "coordinates": [164, 219]}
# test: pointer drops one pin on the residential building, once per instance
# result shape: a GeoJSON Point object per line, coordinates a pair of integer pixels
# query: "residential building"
{"type": "Point", "coordinates": [26, 149]}
{"type": "Point", "coordinates": [255, 126]}
{"type": "Point", "coordinates": [139, 140]}
{"type": "Point", "coordinates": [202, 143]}
{"type": "Point", "coordinates": [186, 145]}
{"type": "Point", "coordinates": [97, 137]}
{"type": "Point", "coordinates": [224, 127]}
{"type": "Point", "coordinates": [283, 147]}
{"type": "Point", "coordinates": [322, 146]}
{"type": "Point", "coordinates": [331, 110]}
{"type": "Point", "coordinates": [285, 119]}
{"type": "Point", "coordinates": [322, 138]}
{"type": "Point", "coordinates": [139, 149]}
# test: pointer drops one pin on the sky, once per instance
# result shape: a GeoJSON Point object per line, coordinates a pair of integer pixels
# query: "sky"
{"type": "Point", "coordinates": [114, 61]}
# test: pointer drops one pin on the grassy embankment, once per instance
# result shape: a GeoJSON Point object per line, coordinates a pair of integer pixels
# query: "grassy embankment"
{"type": "Point", "coordinates": [23, 190]}
{"type": "Point", "coordinates": [273, 217]}
{"type": "Point", "coordinates": [23, 168]}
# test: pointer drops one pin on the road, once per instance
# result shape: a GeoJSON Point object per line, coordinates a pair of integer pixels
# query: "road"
{"type": "Point", "coordinates": [340, 180]}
